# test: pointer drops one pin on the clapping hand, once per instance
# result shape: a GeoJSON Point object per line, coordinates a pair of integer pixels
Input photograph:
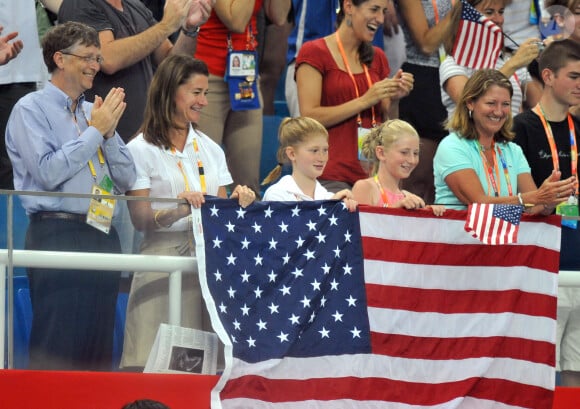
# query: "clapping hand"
{"type": "Point", "coordinates": [106, 113]}
{"type": "Point", "coordinates": [8, 50]}
{"type": "Point", "coordinates": [198, 13]}
{"type": "Point", "coordinates": [554, 191]}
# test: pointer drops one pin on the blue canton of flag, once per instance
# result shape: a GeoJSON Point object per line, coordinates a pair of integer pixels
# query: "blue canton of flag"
{"type": "Point", "coordinates": [510, 213]}
{"type": "Point", "coordinates": [287, 283]}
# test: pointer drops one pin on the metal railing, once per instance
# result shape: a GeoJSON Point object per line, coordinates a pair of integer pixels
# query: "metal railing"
{"type": "Point", "coordinates": [10, 258]}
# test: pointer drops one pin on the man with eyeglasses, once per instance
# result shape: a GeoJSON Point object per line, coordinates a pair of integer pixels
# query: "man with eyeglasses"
{"type": "Point", "coordinates": [59, 142]}
{"type": "Point", "coordinates": [133, 43]}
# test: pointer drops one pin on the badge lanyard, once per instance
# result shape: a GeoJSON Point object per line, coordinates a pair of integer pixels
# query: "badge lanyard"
{"type": "Point", "coordinates": [493, 172]}
{"type": "Point", "coordinates": [351, 75]}
{"type": "Point", "coordinates": [242, 74]}
{"type": "Point", "coordinates": [199, 167]}
{"type": "Point", "coordinates": [101, 209]}
{"type": "Point", "coordinates": [552, 142]}
{"type": "Point", "coordinates": [99, 150]}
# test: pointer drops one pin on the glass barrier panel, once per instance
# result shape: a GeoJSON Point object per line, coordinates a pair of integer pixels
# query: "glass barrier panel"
{"type": "Point", "coordinates": [87, 291]}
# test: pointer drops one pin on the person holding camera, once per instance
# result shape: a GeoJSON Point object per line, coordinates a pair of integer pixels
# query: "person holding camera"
{"type": "Point", "coordinates": [453, 76]}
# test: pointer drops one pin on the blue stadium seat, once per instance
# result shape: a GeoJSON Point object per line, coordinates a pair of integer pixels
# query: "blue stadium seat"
{"type": "Point", "coordinates": [22, 324]}
{"type": "Point", "coordinates": [119, 333]}
{"type": "Point", "coordinates": [20, 222]}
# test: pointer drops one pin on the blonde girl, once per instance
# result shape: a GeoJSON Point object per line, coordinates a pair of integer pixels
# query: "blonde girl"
{"type": "Point", "coordinates": [304, 144]}
{"type": "Point", "coordinates": [393, 148]}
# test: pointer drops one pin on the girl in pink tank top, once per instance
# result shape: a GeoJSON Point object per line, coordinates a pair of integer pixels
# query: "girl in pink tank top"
{"type": "Point", "coordinates": [393, 149]}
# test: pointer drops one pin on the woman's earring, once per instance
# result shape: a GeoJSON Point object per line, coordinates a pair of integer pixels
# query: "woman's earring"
{"type": "Point", "coordinates": [470, 111]}
{"type": "Point", "coordinates": [348, 21]}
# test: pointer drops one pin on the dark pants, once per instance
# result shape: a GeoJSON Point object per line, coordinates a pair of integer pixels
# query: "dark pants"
{"type": "Point", "coordinates": [73, 311]}
{"type": "Point", "coordinates": [423, 109]}
{"type": "Point", "coordinates": [9, 96]}
{"type": "Point", "coordinates": [570, 249]}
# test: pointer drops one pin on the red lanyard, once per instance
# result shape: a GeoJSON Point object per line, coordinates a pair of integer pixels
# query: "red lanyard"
{"type": "Point", "coordinates": [250, 39]}
{"type": "Point", "coordinates": [343, 54]}
{"type": "Point", "coordinates": [493, 172]}
{"type": "Point", "coordinates": [384, 196]}
{"type": "Point", "coordinates": [552, 142]}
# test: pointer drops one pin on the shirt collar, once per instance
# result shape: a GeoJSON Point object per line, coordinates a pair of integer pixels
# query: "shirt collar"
{"type": "Point", "coordinates": [61, 98]}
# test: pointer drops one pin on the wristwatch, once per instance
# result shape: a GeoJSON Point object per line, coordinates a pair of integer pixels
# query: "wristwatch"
{"type": "Point", "coordinates": [191, 33]}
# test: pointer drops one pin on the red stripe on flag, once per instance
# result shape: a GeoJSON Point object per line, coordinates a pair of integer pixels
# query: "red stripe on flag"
{"type": "Point", "coordinates": [380, 389]}
{"type": "Point", "coordinates": [414, 347]}
{"type": "Point", "coordinates": [460, 302]}
{"type": "Point", "coordinates": [459, 254]}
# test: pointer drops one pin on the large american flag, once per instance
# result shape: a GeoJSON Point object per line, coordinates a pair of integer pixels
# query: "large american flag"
{"type": "Point", "coordinates": [322, 308]}
{"type": "Point", "coordinates": [478, 41]}
{"type": "Point", "coordinates": [494, 223]}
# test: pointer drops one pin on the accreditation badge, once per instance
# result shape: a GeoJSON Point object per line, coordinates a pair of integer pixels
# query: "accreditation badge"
{"type": "Point", "coordinates": [361, 135]}
{"type": "Point", "coordinates": [101, 209]}
{"type": "Point", "coordinates": [242, 77]}
{"type": "Point", "coordinates": [365, 163]}
{"type": "Point", "coordinates": [569, 208]}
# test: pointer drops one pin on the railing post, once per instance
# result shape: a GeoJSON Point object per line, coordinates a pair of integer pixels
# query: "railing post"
{"type": "Point", "coordinates": [175, 298]}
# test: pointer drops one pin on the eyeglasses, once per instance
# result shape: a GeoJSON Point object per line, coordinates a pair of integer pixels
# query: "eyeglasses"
{"type": "Point", "coordinates": [86, 58]}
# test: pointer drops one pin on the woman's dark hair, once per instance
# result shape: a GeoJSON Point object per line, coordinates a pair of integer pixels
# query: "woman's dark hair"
{"type": "Point", "coordinates": [158, 118]}
{"type": "Point", "coordinates": [366, 51]}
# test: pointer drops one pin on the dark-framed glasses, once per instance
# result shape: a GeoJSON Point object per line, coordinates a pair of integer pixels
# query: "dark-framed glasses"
{"type": "Point", "coordinates": [86, 58]}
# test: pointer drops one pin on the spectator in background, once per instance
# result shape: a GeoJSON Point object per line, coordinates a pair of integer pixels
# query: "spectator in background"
{"type": "Point", "coordinates": [233, 118]}
{"type": "Point", "coordinates": [545, 137]}
{"type": "Point", "coordinates": [273, 45]}
{"type": "Point", "coordinates": [343, 83]}
{"type": "Point", "coordinates": [574, 7]}
{"type": "Point", "coordinates": [312, 19]}
{"type": "Point", "coordinates": [170, 156]}
{"type": "Point", "coordinates": [425, 24]}
{"type": "Point", "coordinates": [59, 142]}
{"type": "Point", "coordinates": [133, 43]}
{"type": "Point", "coordinates": [23, 74]}
{"type": "Point", "coordinates": [453, 76]}
{"type": "Point", "coordinates": [393, 38]}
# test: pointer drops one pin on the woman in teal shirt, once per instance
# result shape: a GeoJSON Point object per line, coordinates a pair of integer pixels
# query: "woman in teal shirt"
{"type": "Point", "coordinates": [478, 163]}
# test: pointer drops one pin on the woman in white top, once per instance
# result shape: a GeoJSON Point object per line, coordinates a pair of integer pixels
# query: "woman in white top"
{"type": "Point", "coordinates": [173, 160]}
